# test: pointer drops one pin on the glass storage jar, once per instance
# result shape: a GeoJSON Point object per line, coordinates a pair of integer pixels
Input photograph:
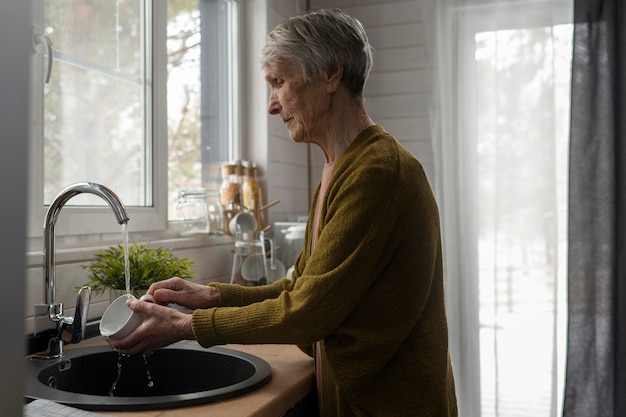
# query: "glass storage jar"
{"type": "Point", "coordinates": [192, 212]}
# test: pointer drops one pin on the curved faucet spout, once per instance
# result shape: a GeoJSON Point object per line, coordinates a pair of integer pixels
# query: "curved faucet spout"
{"type": "Point", "coordinates": [85, 187]}
{"type": "Point", "coordinates": [68, 329]}
{"type": "Point", "coordinates": [51, 217]}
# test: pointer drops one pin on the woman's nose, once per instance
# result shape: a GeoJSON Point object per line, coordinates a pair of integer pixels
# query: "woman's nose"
{"type": "Point", "coordinates": [273, 107]}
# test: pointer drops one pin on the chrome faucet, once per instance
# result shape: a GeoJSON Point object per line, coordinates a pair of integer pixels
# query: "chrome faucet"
{"type": "Point", "coordinates": [68, 329]}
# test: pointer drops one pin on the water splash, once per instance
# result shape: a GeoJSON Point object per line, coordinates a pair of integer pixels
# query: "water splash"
{"type": "Point", "coordinates": [150, 381]}
{"type": "Point", "coordinates": [119, 374]}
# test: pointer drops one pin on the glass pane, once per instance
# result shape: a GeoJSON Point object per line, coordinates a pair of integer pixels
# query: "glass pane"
{"type": "Point", "coordinates": [201, 72]}
{"type": "Point", "coordinates": [107, 34]}
{"type": "Point", "coordinates": [522, 86]}
{"type": "Point", "coordinates": [183, 98]}
{"type": "Point", "coordinates": [95, 109]}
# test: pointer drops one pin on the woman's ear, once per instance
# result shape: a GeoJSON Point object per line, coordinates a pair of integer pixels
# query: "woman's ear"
{"type": "Point", "coordinates": [333, 79]}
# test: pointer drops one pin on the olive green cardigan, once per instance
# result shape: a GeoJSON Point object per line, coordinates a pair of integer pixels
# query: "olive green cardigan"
{"type": "Point", "coordinates": [371, 292]}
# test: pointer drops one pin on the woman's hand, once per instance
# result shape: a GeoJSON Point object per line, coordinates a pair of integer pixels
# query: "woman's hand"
{"type": "Point", "coordinates": [161, 327]}
{"type": "Point", "coordinates": [185, 293]}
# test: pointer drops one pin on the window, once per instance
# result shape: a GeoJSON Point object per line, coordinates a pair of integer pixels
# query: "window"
{"type": "Point", "coordinates": [141, 96]}
{"type": "Point", "coordinates": [515, 116]}
{"type": "Point", "coordinates": [522, 207]}
{"type": "Point", "coordinates": [96, 115]}
{"type": "Point", "coordinates": [199, 36]}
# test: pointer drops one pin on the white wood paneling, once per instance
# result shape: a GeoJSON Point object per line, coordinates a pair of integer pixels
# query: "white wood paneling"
{"type": "Point", "coordinates": [398, 91]}
{"type": "Point", "coordinates": [402, 82]}
{"type": "Point", "coordinates": [389, 13]}
{"type": "Point", "coordinates": [400, 105]}
{"type": "Point", "coordinates": [399, 59]}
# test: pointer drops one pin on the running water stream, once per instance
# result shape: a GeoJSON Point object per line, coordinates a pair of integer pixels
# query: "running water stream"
{"type": "Point", "coordinates": [150, 383]}
{"type": "Point", "coordinates": [126, 256]}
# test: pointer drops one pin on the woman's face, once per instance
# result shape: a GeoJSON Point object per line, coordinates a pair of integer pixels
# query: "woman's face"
{"type": "Point", "coordinates": [303, 107]}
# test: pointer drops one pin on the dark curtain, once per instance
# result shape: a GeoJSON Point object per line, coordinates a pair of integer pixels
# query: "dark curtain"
{"type": "Point", "coordinates": [596, 351]}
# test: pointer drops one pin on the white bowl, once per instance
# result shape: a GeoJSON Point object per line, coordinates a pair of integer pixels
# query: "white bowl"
{"type": "Point", "coordinates": [118, 320]}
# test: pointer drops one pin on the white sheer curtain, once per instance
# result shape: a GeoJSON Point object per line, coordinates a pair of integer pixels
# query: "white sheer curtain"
{"type": "Point", "coordinates": [500, 128]}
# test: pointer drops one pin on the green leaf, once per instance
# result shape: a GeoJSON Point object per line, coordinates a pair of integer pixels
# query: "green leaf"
{"type": "Point", "coordinates": [147, 265]}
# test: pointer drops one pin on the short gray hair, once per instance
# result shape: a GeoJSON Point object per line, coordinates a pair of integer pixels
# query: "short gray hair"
{"type": "Point", "coordinates": [321, 41]}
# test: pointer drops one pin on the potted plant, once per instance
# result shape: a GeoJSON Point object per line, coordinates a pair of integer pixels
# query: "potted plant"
{"type": "Point", "coordinates": [147, 265]}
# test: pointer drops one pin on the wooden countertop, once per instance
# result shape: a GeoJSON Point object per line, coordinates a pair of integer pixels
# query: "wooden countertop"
{"type": "Point", "coordinates": [292, 379]}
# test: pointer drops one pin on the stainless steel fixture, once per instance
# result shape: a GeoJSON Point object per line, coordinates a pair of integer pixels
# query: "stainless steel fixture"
{"type": "Point", "coordinates": [68, 329]}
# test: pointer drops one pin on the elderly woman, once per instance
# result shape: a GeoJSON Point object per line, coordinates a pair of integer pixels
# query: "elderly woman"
{"type": "Point", "coordinates": [366, 298]}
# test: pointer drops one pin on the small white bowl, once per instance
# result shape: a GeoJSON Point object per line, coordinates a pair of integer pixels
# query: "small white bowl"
{"type": "Point", "coordinates": [118, 320]}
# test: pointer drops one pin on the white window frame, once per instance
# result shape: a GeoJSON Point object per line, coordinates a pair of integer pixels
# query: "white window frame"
{"type": "Point", "coordinates": [99, 222]}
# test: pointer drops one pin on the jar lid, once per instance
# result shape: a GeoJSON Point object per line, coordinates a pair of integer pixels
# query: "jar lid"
{"type": "Point", "coordinates": [196, 192]}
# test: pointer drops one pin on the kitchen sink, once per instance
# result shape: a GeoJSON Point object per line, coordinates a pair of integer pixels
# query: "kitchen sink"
{"type": "Point", "coordinates": [98, 378]}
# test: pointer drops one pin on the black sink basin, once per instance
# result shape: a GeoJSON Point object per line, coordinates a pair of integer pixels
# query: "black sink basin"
{"type": "Point", "coordinates": [176, 376]}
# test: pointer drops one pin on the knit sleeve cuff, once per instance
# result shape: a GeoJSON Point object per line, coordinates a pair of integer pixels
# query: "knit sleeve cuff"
{"type": "Point", "coordinates": [230, 295]}
{"type": "Point", "coordinates": [202, 325]}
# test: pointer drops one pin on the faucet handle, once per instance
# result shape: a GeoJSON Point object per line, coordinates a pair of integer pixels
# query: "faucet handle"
{"type": "Point", "coordinates": [79, 324]}
{"type": "Point", "coordinates": [68, 329]}
{"type": "Point", "coordinates": [72, 330]}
